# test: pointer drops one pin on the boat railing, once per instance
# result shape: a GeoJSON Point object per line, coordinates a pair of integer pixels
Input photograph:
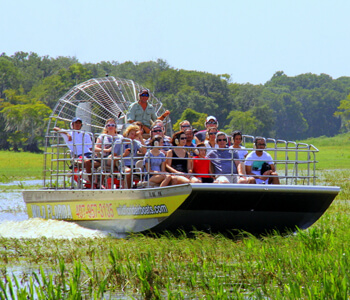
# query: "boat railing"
{"type": "Point", "coordinates": [295, 163]}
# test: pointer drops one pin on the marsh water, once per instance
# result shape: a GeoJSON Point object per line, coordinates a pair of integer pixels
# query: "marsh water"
{"type": "Point", "coordinates": [14, 222]}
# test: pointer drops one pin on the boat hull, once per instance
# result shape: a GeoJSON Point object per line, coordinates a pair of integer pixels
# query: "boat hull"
{"type": "Point", "coordinates": [257, 209]}
{"type": "Point", "coordinates": [207, 207]}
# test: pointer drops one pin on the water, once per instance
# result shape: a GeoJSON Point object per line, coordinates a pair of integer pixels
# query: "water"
{"type": "Point", "coordinates": [14, 222]}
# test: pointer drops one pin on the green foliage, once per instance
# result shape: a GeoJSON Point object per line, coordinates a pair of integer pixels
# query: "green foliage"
{"type": "Point", "coordinates": [24, 121]}
{"type": "Point", "coordinates": [307, 105]}
{"type": "Point", "coordinates": [244, 121]}
{"type": "Point", "coordinates": [197, 119]}
{"type": "Point", "coordinates": [344, 113]}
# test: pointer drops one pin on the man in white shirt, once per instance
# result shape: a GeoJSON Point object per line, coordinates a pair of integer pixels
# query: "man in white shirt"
{"type": "Point", "coordinates": [80, 143]}
{"type": "Point", "coordinates": [259, 164]}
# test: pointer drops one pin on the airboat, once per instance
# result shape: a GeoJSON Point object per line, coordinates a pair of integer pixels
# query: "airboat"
{"type": "Point", "coordinates": [296, 203]}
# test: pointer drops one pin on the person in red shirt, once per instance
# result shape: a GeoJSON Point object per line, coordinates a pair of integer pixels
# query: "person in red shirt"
{"type": "Point", "coordinates": [200, 165]}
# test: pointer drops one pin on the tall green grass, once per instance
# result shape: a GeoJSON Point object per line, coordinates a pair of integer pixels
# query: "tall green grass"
{"type": "Point", "coordinates": [311, 264]}
{"type": "Point", "coordinates": [20, 166]}
{"type": "Point", "coordinates": [334, 151]}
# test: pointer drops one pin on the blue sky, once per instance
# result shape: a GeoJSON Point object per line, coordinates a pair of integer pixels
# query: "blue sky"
{"type": "Point", "coordinates": [249, 40]}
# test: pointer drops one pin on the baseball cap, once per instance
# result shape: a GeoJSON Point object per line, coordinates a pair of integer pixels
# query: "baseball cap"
{"type": "Point", "coordinates": [146, 91]}
{"type": "Point", "coordinates": [211, 118]}
{"type": "Point", "coordinates": [77, 119]}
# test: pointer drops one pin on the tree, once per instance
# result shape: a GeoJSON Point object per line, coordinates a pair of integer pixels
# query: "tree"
{"type": "Point", "coordinates": [24, 121]}
{"type": "Point", "coordinates": [244, 121]}
{"type": "Point", "coordinates": [9, 76]}
{"type": "Point", "coordinates": [343, 113]}
{"type": "Point", "coordinates": [197, 119]}
{"type": "Point", "coordinates": [290, 122]}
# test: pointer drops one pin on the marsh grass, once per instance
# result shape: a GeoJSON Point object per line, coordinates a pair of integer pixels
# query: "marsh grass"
{"type": "Point", "coordinates": [20, 166]}
{"type": "Point", "coordinates": [310, 264]}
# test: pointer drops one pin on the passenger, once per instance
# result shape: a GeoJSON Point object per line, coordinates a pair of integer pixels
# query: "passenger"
{"type": "Point", "coordinates": [80, 144]}
{"type": "Point", "coordinates": [258, 161]}
{"type": "Point", "coordinates": [202, 165]}
{"type": "Point", "coordinates": [158, 130]}
{"type": "Point", "coordinates": [124, 150]}
{"type": "Point", "coordinates": [236, 144]}
{"type": "Point", "coordinates": [210, 122]}
{"type": "Point", "coordinates": [140, 135]}
{"type": "Point", "coordinates": [106, 138]}
{"type": "Point", "coordinates": [189, 141]}
{"type": "Point", "coordinates": [221, 162]}
{"type": "Point", "coordinates": [210, 139]}
{"type": "Point", "coordinates": [185, 125]}
{"type": "Point", "coordinates": [161, 124]}
{"type": "Point", "coordinates": [154, 162]}
{"type": "Point", "coordinates": [104, 145]}
{"type": "Point", "coordinates": [143, 111]}
{"type": "Point", "coordinates": [177, 162]}
{"type": "Point", "coordinates": [242, 153]}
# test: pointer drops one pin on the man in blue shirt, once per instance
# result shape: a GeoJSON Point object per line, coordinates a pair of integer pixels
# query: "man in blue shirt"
{"type": "Point", "coordinates": [222, 162]}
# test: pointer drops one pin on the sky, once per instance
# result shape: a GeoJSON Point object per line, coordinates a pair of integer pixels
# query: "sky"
{"type": "Point", "coordinates": [248, 39]}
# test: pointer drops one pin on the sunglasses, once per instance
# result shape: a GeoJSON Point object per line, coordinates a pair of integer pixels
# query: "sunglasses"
{"type": "Point", "coordinates": [144, 95]}
{"type": "Point", "coordinates": [183, 138]}
{"type": "Point", "coordinates": [158, 130]}
{"type": "Point", "coordinates": [220, 140]}
{"type": "Point", "coordinates": [212, 122]}
{"type": "Point", "coordinates": [185, 126]}
{"type": "Point", "coordinates": [212, 133]}
{"type": "Point", "coordinates": [261, 144]}
{"type": "Point", "coordinates": [110, 125]}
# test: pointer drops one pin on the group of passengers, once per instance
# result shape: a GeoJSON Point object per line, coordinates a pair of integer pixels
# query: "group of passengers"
{"type": "Point", "coordinates": [207, 154]}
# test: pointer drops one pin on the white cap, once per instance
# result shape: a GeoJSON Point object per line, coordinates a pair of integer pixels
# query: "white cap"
{"type": "Point", "coordinates": [211, 118]}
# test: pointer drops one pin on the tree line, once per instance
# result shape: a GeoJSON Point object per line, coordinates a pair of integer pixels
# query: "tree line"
{"type": "Point", "coordinates": [290, 108]}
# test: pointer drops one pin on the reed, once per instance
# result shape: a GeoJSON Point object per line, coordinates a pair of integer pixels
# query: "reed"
{"type": "Point", "coordinates": [310, 264]}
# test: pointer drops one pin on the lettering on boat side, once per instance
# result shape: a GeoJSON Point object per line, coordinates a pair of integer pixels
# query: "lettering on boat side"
{"type": "Point", "coordinates": [154, 194]}
{"type": "Point", "coordinates": [59, 211]}
{"type": "Point", "coordinates": [135, 210]}
{"type": "Point", "coordinates": [94, 211]}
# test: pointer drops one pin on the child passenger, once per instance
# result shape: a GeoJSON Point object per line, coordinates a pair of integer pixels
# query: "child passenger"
{"type": "Point", "coordinates": [154, 162]}
{"type": "Point", "coordinates": [202, 165]}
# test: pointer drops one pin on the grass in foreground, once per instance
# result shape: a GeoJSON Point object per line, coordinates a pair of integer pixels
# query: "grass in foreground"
{"type": "Point", "coordinates": [312, 264]}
